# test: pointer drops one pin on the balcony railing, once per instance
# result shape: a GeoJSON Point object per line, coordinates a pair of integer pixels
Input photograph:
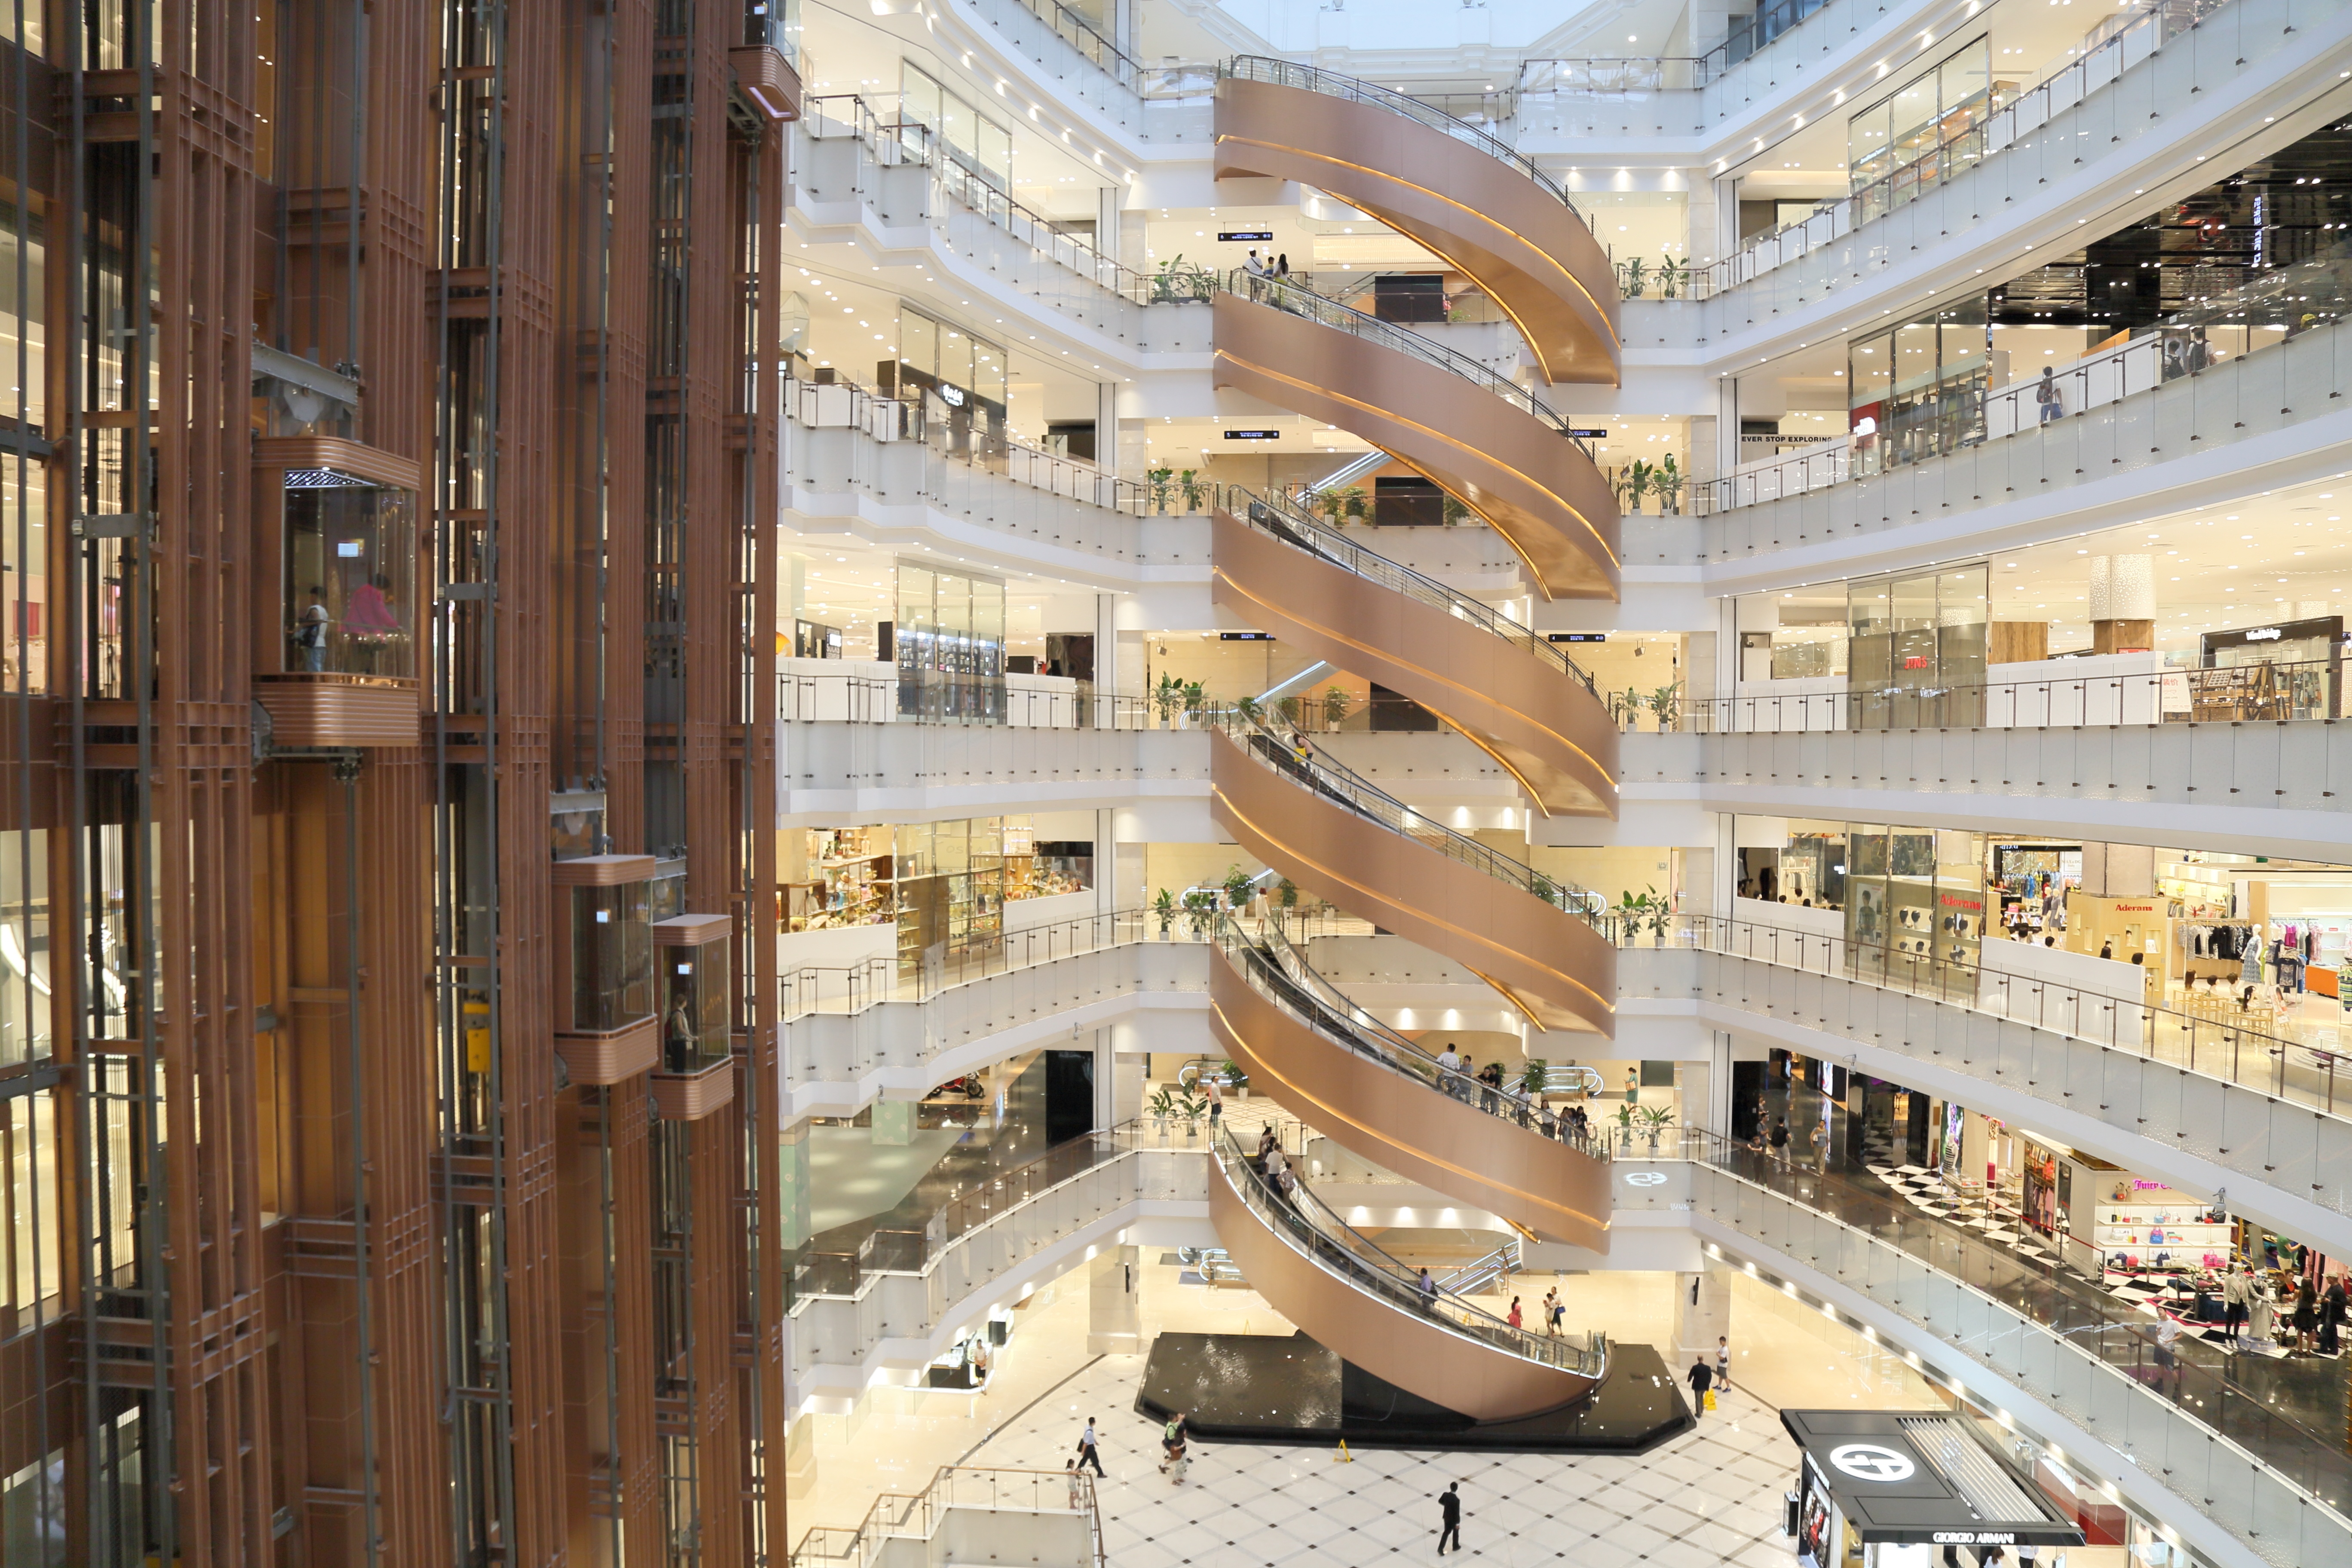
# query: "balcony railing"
{"type": "Point", "coordinates": [2273, 309]}
{"type": "Point", "coordinates": [1995, 121]}
{"type": "Point", "coordinates": [2216, 1045]}
{"type": "Point", "coordinates": [2286, 691]}
{"type": "Point", "coordinates": [2095, 1359]}
{"type": "Point", "coordinates": [919, 1516]}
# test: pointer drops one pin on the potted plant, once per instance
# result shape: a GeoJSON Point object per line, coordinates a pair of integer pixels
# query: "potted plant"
{"type": "Point", "coordinates": [1199, 905]}
{"type": "Point", "coordinates": [1167, 697]}
{"type": "Point", "coordinates": [1157, 479]}
{"type": "Point", "coordinates": [1237, 887]}
{"type": "Point", "coordinates": [1287, 709]}
{"type": "Point", "coordinates": [1331, 505]}
{"type": "Point", "coordinates": [1454, 512]}
{"type": "Point", "coordinates": [1354, 502]}
{"type": "Point", "coordinates": [1638, 480]}
{"type": "Point", "coordinates": [1629, 704]}
{"type": "Point", "coordinates": [1234, 1078]}
{"type": "Point", "coordinates": [1335, 707]}
{"type": "Point", "coordinates": [1666, 484]}
{"type": "Point", "coordinates": [1654, 1119]}
{"type": "Point", "coordinates": [1633, 276]}
{"type": "Point", "coordinates": [1253, 711]}
{"type": "Point", "coordinates": [1192, 486]}
{"type": "Point", "coordinates": [1644, 910]}
{"type": "Point", "coordinates": [1532, 1079]}
{"type": "Point", "coordinates": [1543, 887]}
{"type": "Point", "coordinates": [1671, 274]}
{"type": "Point", "coordinates": [1196, 698]}
{"type": "Point", "coordinates": [1164, 906]}
{"type": "Point", "coordinates": [1288, 896]}
{"type": "Point", "coordinates": [1666, 702]}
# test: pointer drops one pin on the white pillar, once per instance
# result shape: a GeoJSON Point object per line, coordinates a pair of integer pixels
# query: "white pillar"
{"type": "Point", "coordinates": [1113, 1303]}
{"type": "Point", "coordinates": [1702, 1316]}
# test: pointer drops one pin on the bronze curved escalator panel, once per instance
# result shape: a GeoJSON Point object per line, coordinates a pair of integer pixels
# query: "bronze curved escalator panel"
{"type": "Point", "coordinates": [1415, 1129]}
{"type": "Point", "coordinates": [1546, 962]}
{"type": "Point", "coordinates": [1539, 721]}
{"type": "Point", "coordinates": [1535, 485]}
{"type": "Point", "coordinates": [1523, 245]}
{"type": "Point", "coordinates": [1392, 1343]}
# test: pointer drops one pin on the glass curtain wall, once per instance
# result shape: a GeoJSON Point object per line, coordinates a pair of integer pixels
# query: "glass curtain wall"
{"type": "Point", "coordinates": [1926, 121]}
{"type": "Point", "coordinates": [1916, 648]}
{"type": "Point", "coordinates": [950, 892]}
{"type": "Point", "coordinates": [949, 643]}
{"type": "Point", "coordinates": [1915, 907]}
{"type": "Point", "coordinates": [960, 382]}
{"type": "Point", "coordinates": [1916, 391]}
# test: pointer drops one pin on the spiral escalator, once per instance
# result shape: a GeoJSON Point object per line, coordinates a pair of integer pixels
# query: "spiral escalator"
{"type": "Point", "coordinates": [1514, 694]}
{"type": "Point", "coordinates": [1455, 189]}
{"type": "Point", "coordinates": [1509, 458]}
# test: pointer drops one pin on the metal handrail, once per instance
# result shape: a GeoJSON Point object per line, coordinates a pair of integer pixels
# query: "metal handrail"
{"type": "Point", "coordinates": [1279, 971]}
{"type": "Point", "coordinates": [1346, 1253]}
{"type": "Point", "coordinates": [1281, 517]}
{"type": "Point", "coordinates": [1287, 294]}
{"type": "Point", "coordinates": [919, 1513]}
{"type": "Point", "coordinates": [1332, 84]}
{"type": "Point", "coordinates": [1344, 786]}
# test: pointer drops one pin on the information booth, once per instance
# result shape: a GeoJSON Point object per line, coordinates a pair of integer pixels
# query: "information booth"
{"type": "Point", "coordinates": [1891, 1489]}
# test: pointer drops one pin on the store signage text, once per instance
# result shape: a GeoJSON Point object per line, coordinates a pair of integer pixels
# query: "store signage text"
{"type": "Point", "coordinates": [1954, 901]}
{"type": "Point", "coordinates": [1245, 636]}
{"type": "Point", "coordinates": [2264, 634]}
{"type": "Point", "coordinates": [1589, 434]}
{"type": "Point", "coordinates": [1229, 235]}
{"type": "Point", "coordinates": [953, 394]}
{"type": "Point", "coordinates": [1579, 636]}
{"type": "Point", "coordinates": [1253, 435]}
{"type": "Point", "coordinates": [1976, 1538]}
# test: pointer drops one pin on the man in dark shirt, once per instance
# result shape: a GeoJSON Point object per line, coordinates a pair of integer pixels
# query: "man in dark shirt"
{"type": "Point", "coordinates": [1702, 1378]}
{"type": "Point", "coordinates": [1449, 1508]}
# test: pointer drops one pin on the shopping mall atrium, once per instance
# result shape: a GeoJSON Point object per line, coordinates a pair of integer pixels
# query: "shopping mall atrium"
{"type": "Point", "coordinates": [1126, 784]}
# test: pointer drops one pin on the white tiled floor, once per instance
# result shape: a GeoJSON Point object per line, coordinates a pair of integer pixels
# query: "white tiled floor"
{"type": "Point", "coordinates": [1708, 1497]}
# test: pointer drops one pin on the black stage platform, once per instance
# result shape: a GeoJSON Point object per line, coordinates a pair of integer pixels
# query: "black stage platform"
{"type": "Point", "coordinates": [1257, 1388]}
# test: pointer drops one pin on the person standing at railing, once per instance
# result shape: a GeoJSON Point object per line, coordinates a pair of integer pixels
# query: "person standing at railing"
{"type": "Point", "coordinates": [2047, 397]}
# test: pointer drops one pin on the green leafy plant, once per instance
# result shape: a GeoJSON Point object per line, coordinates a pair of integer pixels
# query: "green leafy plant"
{"type": "Point", "coordinates": [1175, 282]}
{"type": "Point", "coordinates": [1192, 486]}
{"type": "Point", "coordinates": [1629, 705]}
{"type": "Point", "coordinates": [1252, 711]}
{"type": "Point", "coordinates": [1335, 706]}
{"type": "Point", "coordinates": [1173, 1104]}
{"type": "Point", "coordinates": [1287, 709]}
{"type": "Point", "coordinates": [1672, 275]}
{"type": "Point", "coordinates": [1354, 502]}
{"type": "Point", "coordinates": [1633, 277]}
{"type": "Point", "coordinates": [1666, 484]}
{"type": "Point", "coordinates": [1454, 512]}
{"type": "Point", "coordinates": [1666, 702]}
{"type": "Point", "coordinates": [1543, 887]}
{"type": "Point", "coordinates": [1199, 905]}
{"type": "Point", "coordinates": [1164, 906]}
{"type": "Point", "coordinates": [1232, 1075]}
{"type": "Point", "coordinates": [1533, 1079]}
{"type": "Point", "coordinates": [1196, 696]}
{"type": "Point", "coordinates": [1157, 479]}
{"type": "Point", "coordinates": [1637, 484]}
{"type": "Point", "coordinates": [1236, 886]}
{"type": "Point", "coordinates": [1644, 910]}
{"type": "Point", "coordinates": [1654, 1119]}
{"type": "Point", "coordinates": [1167, 697]}
{"type": "Point", "coordinates": [1287, 895]}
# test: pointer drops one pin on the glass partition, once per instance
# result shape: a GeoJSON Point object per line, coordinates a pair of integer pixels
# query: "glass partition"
{"type": "Point", "coordinates": [695, 1032]}
{"type": "Point", "coordinates": [611, 956]}
{"type": "Point", "coordinates": [350, 575]}
{"type": "Point", "coordinates": [1916, 648]}
{"type": "Point", "coordinates": [948, 645]}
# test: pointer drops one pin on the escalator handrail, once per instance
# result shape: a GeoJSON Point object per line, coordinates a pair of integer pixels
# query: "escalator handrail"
{"type": "Point", "coordinates": [1282, 517]}
{"type": "Point", "coordinates": [1332, 84]}
{"type": "Point", "coordinates": [1314, 1000]}
{"type": "Point", "coordinates": [1338, 1248]}
{"type": "Point", "coordinates": [1297, 299]}
{"type": "Point", "coordinates": [1344, 786]}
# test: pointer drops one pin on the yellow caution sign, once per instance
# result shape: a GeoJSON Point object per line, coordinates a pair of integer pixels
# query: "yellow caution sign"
{"type": "Point", "coordinates": [1343, 1457]}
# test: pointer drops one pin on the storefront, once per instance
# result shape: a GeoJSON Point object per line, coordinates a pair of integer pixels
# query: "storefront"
{"type": "Point", "coordinates": [1915, 907]}
{"type": "Point", "coordinates": [2289, 670]}
{"type": "Point", "coordinates": [1897, 1488]}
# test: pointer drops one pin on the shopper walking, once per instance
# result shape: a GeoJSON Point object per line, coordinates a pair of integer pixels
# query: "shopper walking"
{"type": "Point", "coordinates": [2046, 394]}
{"type": "Point", "coordinates": [2168, 1361]}
{"type": "Point", "coordinates": [2331, 1317]}
{"type": "Point", "coordinates": [1723, 1361]}
{"type": "Point", "coordinates": [1780, 1137]}
{"type": "Point", "coordinates": [1551, 1311]}
{"type": "Point", "coordinates": [1086, 1450]}
{"type": "Point", "coordinates": [1701, 1380]}
{"type": "Point", "coordinates": [1515, 1313]}
{"type": "Point", "coordinates": [1216, 1102]}
{"type": "Point", "coordinates": [1449, 1514]}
